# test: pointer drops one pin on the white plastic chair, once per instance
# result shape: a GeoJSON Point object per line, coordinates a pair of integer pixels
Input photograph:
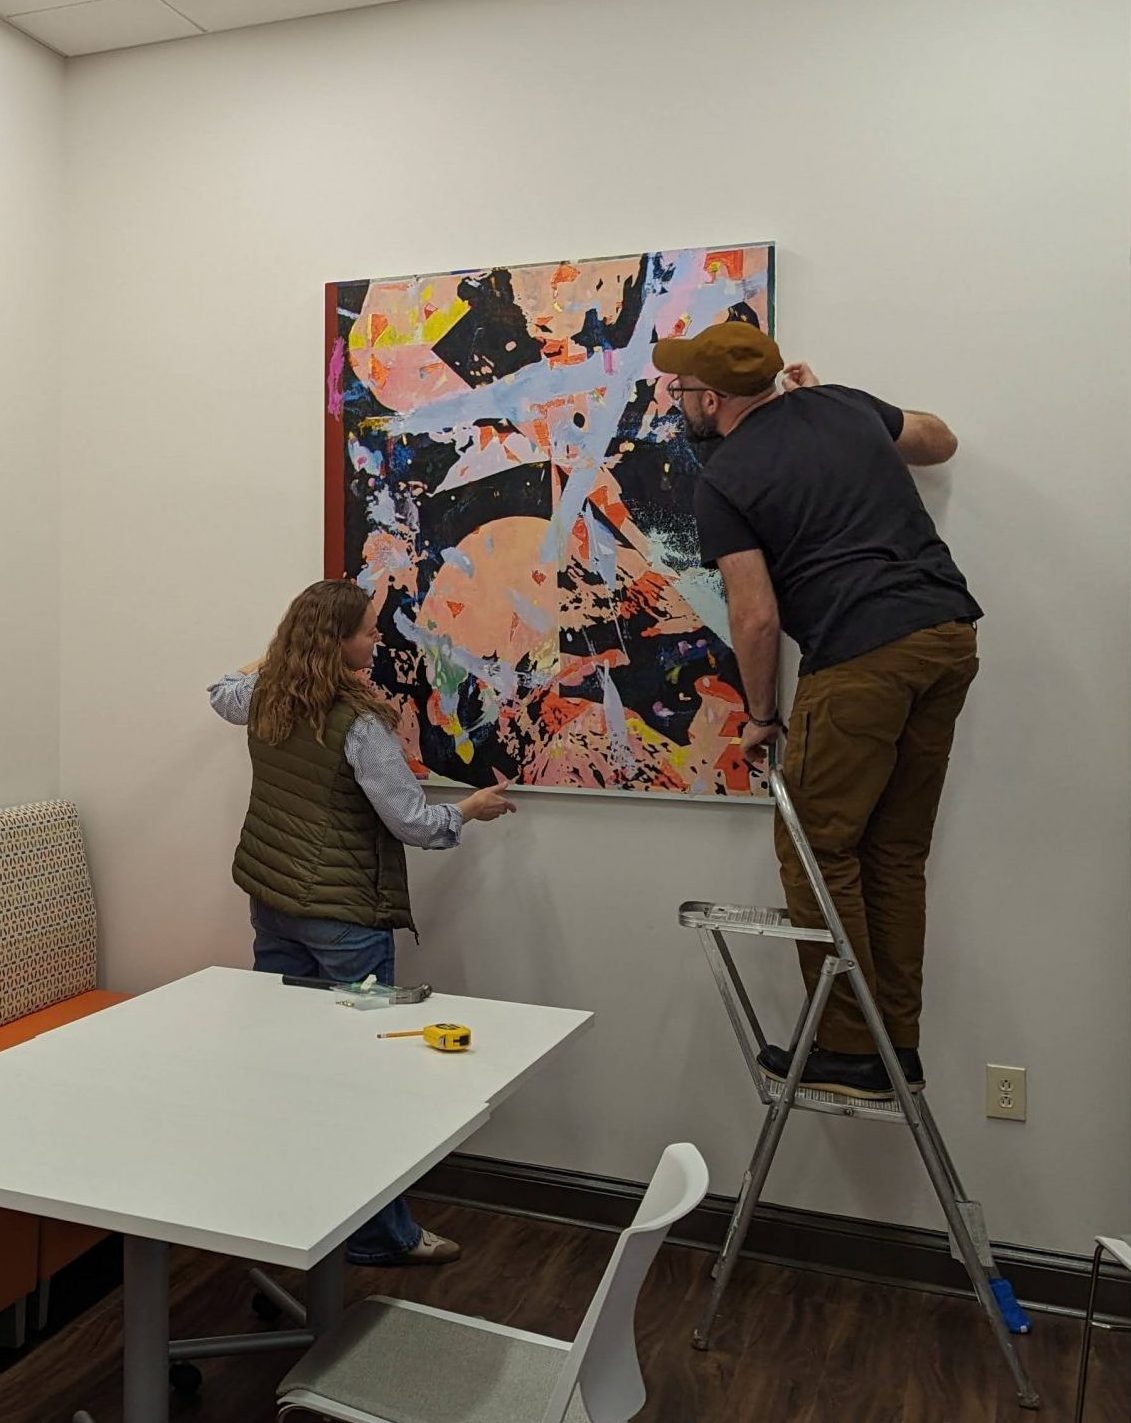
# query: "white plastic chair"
{"type": "Point", "coordinates": [389, 1361]}
{"type": "Point", "coordinates": [1119, 1248]}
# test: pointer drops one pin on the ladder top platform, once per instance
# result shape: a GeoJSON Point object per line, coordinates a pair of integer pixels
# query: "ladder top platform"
{"type": "Point", "coordinates": [742, 919]}
{"type": "Point", "coordinates": [818, 1099]}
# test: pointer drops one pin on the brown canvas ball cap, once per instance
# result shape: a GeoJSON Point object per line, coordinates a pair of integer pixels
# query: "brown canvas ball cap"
{"type": "Point", "coordinates": [734, 357]}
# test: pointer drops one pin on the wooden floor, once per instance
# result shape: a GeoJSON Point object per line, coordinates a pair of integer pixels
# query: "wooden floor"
{"type": "Point", "coordinates": [791, 1346]}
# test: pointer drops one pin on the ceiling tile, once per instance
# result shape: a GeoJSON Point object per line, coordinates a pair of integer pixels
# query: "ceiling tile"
{"type": "Point", "coordinates": [234, 14]}
{"type": "Point", "coordinates": [22, 7]}
{"type": "Point", "coordinates": [95, 25]}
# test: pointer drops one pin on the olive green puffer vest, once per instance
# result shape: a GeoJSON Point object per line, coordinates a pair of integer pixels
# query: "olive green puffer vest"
{"type": "Point", "coordinates": [312, 845]}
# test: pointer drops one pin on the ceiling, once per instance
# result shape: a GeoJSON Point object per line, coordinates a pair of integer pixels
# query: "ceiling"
{"type": "Point", "coordinates": [90, 26]}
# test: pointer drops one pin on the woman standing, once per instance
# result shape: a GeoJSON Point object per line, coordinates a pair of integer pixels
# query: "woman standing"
{"type": "Point", "coordinates": [333, 804]}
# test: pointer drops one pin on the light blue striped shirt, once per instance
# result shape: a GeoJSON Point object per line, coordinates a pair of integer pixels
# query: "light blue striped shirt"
{"type": "Point", "coordinates": [379, 765]}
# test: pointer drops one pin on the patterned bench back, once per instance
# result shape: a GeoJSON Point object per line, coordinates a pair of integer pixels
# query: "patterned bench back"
{"type": "Point", "coordinates": [48, 932]}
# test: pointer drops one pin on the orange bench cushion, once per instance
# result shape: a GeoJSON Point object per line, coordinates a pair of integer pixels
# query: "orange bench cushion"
{"type": "Point", "coordinates": [22, 1030]}
{"type": "Point", "coordinates": [31, 1249]}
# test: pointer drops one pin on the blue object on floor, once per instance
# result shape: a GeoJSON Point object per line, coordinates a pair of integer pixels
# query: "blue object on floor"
{"type": "Point", "coordinates": [1016, 1320]}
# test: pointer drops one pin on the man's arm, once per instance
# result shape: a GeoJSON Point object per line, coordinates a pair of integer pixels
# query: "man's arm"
{"type": "Point", "coordinates": [752, 608]}
{"type": "Point", "coordinates": [925, 439]}
{"type": "Point", "coordinates": [921, 439]}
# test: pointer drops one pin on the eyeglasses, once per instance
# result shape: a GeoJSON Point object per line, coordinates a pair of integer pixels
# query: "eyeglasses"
{"type": "Point", "coordinates": [678, 391]}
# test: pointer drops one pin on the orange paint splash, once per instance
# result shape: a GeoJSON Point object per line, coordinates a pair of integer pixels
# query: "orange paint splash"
{"type": "Point", "coordinates": [576, 669]}
{"type": "Point", "coordinates": [643, 594]}
{"type": "Point", "coordinates": [716, 687]}
{"type": "Point", "coordinates": [734, 769]}
{"type": "Point", "coordinates": [614, 510]}
{"type": "Point", "coordinates": [728, 261]}
{"type": "Point", "coordinates": [557, 711]}
{"type": "Point", "coordinates": [563, 353]}
{"type": "Point", "coordinates": [667, 778]}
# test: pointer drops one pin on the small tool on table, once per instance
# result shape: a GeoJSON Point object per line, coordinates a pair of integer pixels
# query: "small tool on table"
{"type": "Point", "coordinates": [444, 1037]}
{"type": "Point", "coordinates": [366, 994]}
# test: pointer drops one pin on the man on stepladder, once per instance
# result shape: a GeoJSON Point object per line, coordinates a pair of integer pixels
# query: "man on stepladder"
{"type": "Point", "coordinates": [809, 512]}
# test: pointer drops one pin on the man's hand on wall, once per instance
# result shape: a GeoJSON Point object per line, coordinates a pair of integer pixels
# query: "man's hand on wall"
{"type": "Point", "coordinates": [798, 376]}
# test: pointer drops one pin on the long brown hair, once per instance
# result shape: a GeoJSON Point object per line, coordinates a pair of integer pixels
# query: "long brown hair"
{"type": "Point", "coordinates": [304, 672]}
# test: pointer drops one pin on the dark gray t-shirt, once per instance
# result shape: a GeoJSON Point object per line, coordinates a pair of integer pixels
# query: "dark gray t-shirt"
{"type": "Point", "coordinates": [815, 481]}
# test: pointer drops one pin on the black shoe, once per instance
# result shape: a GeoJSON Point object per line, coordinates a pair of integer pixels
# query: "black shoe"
{"type": "Point", "coordinates": [912, 1068]}
{"type": "Point", "coordinates": [852, 1074]}
{"type": "Point", "coordinates": [856, 1074]}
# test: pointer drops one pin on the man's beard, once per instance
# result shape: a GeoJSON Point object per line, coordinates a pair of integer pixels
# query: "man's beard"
{"type": "Point", "coordinates": [703, 429]}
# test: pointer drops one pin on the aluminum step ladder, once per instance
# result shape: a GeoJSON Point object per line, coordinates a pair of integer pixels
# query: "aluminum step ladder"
{"type": "Point", "coordinates": [714, 922]}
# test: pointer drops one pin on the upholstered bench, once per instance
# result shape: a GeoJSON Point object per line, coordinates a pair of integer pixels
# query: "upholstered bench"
{"type": "Point", "coordinates": [48, 977]}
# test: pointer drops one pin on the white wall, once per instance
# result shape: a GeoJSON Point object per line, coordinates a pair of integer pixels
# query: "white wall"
{"type": "Point", "coordinates": [32, 357]}
{"type": "Point", "coordinates": [948, 189]}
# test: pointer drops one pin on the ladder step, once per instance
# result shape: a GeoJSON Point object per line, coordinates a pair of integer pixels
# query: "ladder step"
{"type": "Point", "coordinates": [742, 919]}
{"type": "Point", "coordinates": [817, 1099]}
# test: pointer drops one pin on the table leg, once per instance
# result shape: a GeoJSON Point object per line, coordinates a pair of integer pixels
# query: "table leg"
{"type": "Point", "coordinates": [325, 1286]}
{"type": "Point", "coordinates": [145, 1393]}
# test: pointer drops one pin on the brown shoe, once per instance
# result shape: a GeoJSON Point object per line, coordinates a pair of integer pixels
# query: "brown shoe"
{"type": "Point", "coordinates": [431, 1249]}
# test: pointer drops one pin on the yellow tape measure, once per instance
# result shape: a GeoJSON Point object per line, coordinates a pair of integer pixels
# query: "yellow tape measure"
{"type": "Point", "coordinates": [444, 1037]}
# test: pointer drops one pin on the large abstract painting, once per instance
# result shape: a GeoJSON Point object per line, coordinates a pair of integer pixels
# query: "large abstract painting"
{"type": "Point", "coordinates": [506, 473]}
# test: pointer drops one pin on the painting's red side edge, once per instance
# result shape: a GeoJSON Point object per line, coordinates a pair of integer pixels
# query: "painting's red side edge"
{"type": "Point", "coordinates": [334, 515]}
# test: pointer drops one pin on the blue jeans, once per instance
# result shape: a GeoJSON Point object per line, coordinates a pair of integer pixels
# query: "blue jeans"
{"type": "Point", "coordinates": [346, 953]}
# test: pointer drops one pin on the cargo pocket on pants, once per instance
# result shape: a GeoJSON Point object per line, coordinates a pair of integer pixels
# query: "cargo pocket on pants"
{"type": "Point", "coordinates": [795, 749]}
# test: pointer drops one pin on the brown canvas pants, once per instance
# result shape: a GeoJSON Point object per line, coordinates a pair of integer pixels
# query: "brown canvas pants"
{"type": "Point", "coordinates": [869, 741]}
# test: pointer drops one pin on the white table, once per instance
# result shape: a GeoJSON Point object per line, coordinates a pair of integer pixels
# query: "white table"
{"type": "Point", "coordinates": [229, 1112]}
{"type": "Point", "coordinates": [198, 1031]}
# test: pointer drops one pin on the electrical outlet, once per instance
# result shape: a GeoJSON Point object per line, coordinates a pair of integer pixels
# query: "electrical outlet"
{"type": "Point", "coordinates": [1006, 1094]}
